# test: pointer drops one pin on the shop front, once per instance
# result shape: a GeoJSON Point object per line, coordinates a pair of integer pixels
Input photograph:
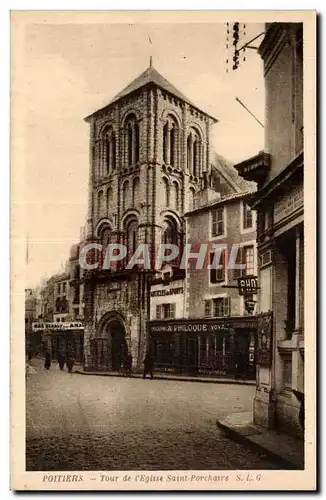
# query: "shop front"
{"type": "Point", "coordinates": [64, 337]}
{"type": "Point", "coordinates": [217, 347]}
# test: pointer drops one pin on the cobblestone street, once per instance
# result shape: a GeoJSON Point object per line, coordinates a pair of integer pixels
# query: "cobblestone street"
{"type": "Point", "coordinates": [77, 422]}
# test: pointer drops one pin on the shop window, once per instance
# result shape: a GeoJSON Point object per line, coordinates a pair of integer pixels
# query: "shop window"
{"type": "Point", "coordinates": [203, 350]}
{"type": "Point", "coordinates": [217, 274]}
{"type": "Point", "coordinates": [218, 222]}
{"type": "Point", "coordinates": [247, 216]}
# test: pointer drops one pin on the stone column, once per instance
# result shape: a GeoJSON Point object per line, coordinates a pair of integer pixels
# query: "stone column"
{"type": "Point", "coordinates": [297, 361]}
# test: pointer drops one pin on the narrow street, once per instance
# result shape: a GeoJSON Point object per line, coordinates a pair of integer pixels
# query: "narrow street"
{"type": "Point", "coordinates": [77, 422]}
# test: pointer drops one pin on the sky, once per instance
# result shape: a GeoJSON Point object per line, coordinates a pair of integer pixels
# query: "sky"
{"type": "Point", "coordinates": [70, 70]}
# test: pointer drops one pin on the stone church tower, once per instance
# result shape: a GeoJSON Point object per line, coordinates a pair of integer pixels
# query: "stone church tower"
{"type": "Point", "coordinates": [149, 151]}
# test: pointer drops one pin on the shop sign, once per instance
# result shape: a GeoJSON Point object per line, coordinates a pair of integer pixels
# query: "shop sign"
{"type": "Point", "coordinates": [200, 326]}
{"type": "Point", "coordinates": [289, 203]}
{"type": "Point", "coordinates": [189, 327]}
{"type": "Point", "coordinates": [265, 338]}
{"type": "Point", "coordinates": [164, 293]}
{"type": "Point", "coordinates": [248, 285]}
{"type": "Point", "coordinates": [76, 325]}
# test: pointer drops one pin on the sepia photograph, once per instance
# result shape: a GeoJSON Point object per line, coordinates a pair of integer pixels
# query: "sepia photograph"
{"type": "Point", "coordinates": [163, 250]}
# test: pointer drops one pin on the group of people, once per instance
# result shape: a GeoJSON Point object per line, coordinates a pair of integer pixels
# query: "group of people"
{"type": "Point", "coordinates": [62, 360]}
{"type": "Point", "coordinates": [148, 365]}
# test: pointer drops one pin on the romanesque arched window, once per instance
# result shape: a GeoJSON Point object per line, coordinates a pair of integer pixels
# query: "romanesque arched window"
{"type": "Point", "coordinates": [135, 191]}
{"type": "Point", "coordinates": [191, 205]}
{"type": "Point", "coordinates": [109, 194]}
{"type": "Point", "coordinates": [109, 150]}
{"type": "Point", "coordinates": [176, 195]}
{"type": "Point", "coordinates": [131, 235]}
{"type": "Point", "coordinates": [132, 140]}
{"type": "Point", "coordinates": [170, 141]}
{"type": "Point", "coordinates": [166, 192]}
{"type": "Point", "coordinates": [100, 204]}
{"type": "Point", "coordinates": [189, 154]}
{"type": "Point", "coordinates": [170, 232]}
{"type": "Point", "coordinates": [105, 236]}
{"type": "Point", "coordinates": [194, 148]}
{"type": "Point", "coordinates": [125, 195]}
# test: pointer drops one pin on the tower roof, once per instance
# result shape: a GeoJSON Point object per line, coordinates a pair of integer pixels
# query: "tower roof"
{"type": "Point", "coordinates": [150, 75]}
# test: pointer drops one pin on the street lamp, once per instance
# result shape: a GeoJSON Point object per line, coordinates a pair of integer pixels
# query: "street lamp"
{"type": "Point", "coordinates": [249, 304]}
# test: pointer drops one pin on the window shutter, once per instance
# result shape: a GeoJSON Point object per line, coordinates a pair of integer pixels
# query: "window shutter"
{"type": "Point", "coordinates": [173, 310]}
{"type": "Point", "coordinates": [221, 271]}
{"type": "Point", "coordinates": [214, 222]}
{"type": "Point", "coordinates": [237, 273]}
{"type": "Point", "coordinates": [208, 308]}
{"type": "Point", "coordinates": [158, 312]}
{"type": "Point", "coordinates": [222, 231]}
{"type": "Point", "coordinates": [213, 271]}
{"type": "Point", "coordinates": [226, 306]}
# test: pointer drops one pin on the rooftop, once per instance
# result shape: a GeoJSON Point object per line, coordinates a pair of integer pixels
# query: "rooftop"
{"type": "Point", "coordinates": [149, 76]}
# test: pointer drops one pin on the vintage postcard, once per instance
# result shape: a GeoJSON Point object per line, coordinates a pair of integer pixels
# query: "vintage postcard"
{"type": "Point", "coordinates": [163, 250]}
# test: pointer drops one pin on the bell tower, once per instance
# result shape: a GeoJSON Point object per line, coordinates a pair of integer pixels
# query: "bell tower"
{"type": "Point", "coordinates": [149, 149]}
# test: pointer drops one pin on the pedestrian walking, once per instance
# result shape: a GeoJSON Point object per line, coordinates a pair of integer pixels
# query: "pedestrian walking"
{"type": "Point", "coordinates": [148, 366]}
{"type": "Point", "coordinates": [70, 363]}
{"type": "Point", "coordinates": [61, 360]}
{"type": "Point", "coordinates": [47, 360]}
{"type": "Point", "coordinates": [129, 365]}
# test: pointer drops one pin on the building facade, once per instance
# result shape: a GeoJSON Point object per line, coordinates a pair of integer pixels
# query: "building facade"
{"type": "Point", "coordinates": [59, 325]}
{"type": "Point", "coordinates": [278, 171]}
{"type": "Point", "coordinates": [149, 148]}
{"type": "Point", "coordinates": [197, 325]}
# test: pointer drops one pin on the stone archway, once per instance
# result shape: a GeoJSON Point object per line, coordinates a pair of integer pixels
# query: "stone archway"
{"type": "Point", "coordinates": [112, 330]}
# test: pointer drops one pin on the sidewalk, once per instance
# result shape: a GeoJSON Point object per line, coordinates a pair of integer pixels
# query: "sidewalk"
{"type": "Point", "coordinates": [174, 376]}
{"type": "Point", "coordinates": [281, 448]}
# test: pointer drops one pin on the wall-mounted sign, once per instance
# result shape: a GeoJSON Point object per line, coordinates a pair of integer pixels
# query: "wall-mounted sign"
{"type": "Point", "coordinates": [265, 338]}
{"type": "Point", "coordinates": [248, 285]}
{"type": "Point", "coordinates": [66, 325]}
{"type": "Point", "coordinates": [289, 203]}
{"type": "Point", "coordinates": [202, 325]}
{"type": "Point", "coordinates": [164, 293]}
{"type": "Point", "coordinates": [188, 327]}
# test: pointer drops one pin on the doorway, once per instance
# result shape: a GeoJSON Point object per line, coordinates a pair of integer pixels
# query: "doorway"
{"type": "Point", "coordinates": [119, 348]}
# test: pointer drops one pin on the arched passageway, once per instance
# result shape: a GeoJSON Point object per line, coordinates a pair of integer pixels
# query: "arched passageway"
{"type": "Point", "coordinates": [109, 348]}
